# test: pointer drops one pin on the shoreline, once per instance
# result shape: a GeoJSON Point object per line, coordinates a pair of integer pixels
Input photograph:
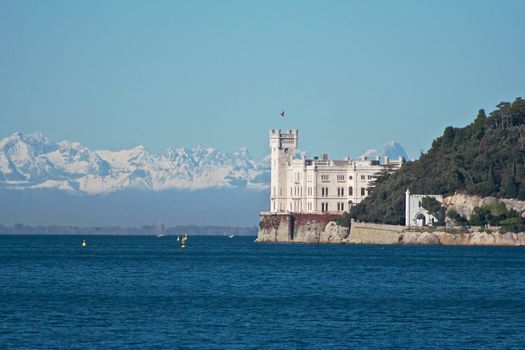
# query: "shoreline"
{"type": "Point", "coordinates": [291, 228]}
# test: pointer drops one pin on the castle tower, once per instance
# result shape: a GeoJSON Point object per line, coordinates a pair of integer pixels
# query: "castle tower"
{"type": "Point", "coordinates": [282, 147]}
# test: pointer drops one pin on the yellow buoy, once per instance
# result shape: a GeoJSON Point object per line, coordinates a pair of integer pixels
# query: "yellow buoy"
{"type": "Point", "coordinates": [84, 244]}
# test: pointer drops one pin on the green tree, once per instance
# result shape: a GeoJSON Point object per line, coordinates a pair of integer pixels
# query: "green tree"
{"type": "Point", "coordinates": [431, 205]}
{"type": "Point", "coordinates": [457, 218]}
{"type": "Point", "coordinates": [480, 216]}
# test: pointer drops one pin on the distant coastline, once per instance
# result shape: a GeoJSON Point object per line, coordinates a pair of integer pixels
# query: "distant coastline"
{"type": "Point", "coordinates": [146, 230]}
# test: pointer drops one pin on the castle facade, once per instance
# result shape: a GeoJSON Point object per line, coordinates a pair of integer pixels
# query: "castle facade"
{"type": "Point", "coordinates": [317, 185]}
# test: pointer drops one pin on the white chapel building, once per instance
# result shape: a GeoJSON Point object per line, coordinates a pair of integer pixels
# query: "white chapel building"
{"type": "Point", "coordinates": [317, 185]}
{"type": "Point", "coordinates": [415, 214]}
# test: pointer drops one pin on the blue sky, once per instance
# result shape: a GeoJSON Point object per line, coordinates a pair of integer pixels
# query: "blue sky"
{"type": "Point", "coordinates": [349, 74]}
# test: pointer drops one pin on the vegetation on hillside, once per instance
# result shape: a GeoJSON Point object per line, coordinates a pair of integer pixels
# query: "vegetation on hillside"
{"type": "Point", "coordinates": [495, 214]}
{"type": "Point", "coordinates": [485, 158]}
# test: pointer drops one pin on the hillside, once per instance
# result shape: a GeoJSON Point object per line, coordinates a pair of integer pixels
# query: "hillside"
{"type": "Point", "coordinates": [485, 158]}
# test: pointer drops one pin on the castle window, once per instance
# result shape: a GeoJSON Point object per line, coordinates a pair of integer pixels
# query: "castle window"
{"type": "Point", "coordinates": [350, 191]}
{"type": "Point", "coordinates": [325, 177]}
{"type": "Point", "coordinates": [340, 178]}
{"type": "Point", "coordinates": [369, 177]}
{"type": "Point", "coordinates": [362, 191]}
{"type": "Point", "coordinates": [363, 177]}
{"type": "Point", "coordinates": [350, 177]}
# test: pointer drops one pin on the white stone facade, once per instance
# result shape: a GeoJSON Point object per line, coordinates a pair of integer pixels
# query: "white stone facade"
{"type": "Point", "coordinates": [415, 214]}
{"type": "Point", "coordinates": [317, 185]}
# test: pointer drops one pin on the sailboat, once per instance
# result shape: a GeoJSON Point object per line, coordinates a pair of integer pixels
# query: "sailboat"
{"type": "Point", "coordinates": [160, 230]}
{"type": "Point", "coordinates": [184, 239]}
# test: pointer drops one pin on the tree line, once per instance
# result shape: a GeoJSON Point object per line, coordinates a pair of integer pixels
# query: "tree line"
{"type": "Point", "coordinates": [485, 158]}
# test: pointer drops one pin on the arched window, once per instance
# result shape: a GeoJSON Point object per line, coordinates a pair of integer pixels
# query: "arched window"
{"type": "Point", "coordinates": [350, 191]}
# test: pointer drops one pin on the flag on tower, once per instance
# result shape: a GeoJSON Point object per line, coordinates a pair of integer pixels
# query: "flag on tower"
{"type": "Point", "coordinates": [282, 113]}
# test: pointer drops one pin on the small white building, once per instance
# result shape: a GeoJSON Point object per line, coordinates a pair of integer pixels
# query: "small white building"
{"type": "Point", "coordinates": [415, 214]}
{"type": "Point", "coordinates": [317, 185]}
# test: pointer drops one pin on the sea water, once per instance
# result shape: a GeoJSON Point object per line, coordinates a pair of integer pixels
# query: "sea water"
{"type": "Point", "coordinates": [222, 293]}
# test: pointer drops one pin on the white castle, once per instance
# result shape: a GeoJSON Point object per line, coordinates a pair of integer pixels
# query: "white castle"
{"type": "Point", "coordinates": [317, 185]}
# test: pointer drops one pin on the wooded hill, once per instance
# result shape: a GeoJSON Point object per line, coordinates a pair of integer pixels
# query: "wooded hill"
{"type": "Point", "coordinates": [485, 158]}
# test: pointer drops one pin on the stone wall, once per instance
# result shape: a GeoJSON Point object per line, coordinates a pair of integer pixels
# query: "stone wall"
{"type": "Point", "coordinates": [368, 233]}
{"type": "Point", "coordinates": [275, 228]}
{"type": "Point", "coordinates": [300, 228]}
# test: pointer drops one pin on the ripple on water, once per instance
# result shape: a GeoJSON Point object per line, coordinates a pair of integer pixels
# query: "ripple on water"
{"type": "Point", "coordinates": [221, 293]}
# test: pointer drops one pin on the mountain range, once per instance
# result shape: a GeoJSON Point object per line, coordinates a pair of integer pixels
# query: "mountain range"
{"type": "Point", "coordinates": [33, 161]}
{"type": "Point", "coordinates": [43, 182]}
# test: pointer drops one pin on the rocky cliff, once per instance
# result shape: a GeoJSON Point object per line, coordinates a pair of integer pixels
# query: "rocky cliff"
{"type": "Point", "coordinates": [301, 228]}
{"type": "Point", "coordinates": [321, 228]}
{"type": "Point", "coordinates": [367, 233]}
{"type": "Point", "coordinates": [464, 204]}
{"type": "Point", "coordinates": [471, 238]}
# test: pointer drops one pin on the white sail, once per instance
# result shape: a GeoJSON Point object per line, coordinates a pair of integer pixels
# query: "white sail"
{"type": "Point", "coordinates": [160, 230]}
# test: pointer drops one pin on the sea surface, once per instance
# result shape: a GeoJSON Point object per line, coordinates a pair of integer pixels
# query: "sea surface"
{"type": "Point", "coordinates": [220, 293]}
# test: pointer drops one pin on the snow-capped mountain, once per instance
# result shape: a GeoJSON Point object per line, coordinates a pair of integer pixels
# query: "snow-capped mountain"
{"type": "Point", "coordinates": [392, 150]}
{"type": "Point", "coordinates": [34, 161]}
